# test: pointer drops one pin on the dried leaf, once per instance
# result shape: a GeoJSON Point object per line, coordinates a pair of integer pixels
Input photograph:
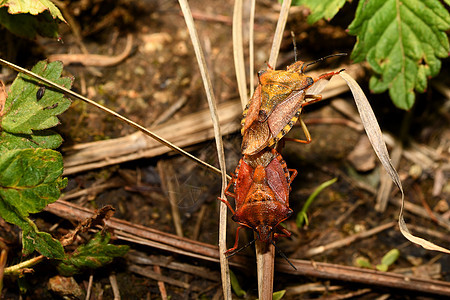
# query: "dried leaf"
{"type": "Point", "coordinates": [376, 139]}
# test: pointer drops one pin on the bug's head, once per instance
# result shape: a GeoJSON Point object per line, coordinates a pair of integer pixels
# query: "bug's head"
{"type": "Point", "coordinates": [265, 233]}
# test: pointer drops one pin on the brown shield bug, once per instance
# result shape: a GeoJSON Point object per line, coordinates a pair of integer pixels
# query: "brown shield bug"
{"type": "Point", "coordinates": [276, 106]}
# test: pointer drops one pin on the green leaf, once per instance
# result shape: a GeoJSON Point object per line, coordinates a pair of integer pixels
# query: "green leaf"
{"type": "Point", "coordinates": [325, 9]}
{"type": "Point", "coordinates": [390, 257]}
{"type": "Point", "coordinates": [382, 268]}
{"type": "Point", "coordinates": [29, 26]}
{"type": "Point", "coordinates": [363, 262]}
{"type": "Point", "coordinates": [43, 243]}
{"type": "Point", "coordinates": [33, 7]}
{"type": "Point", "coordinates": [29, 180]}
{"type": "Point", "coordinates": [278, 295]}
{"type": "Point", "coordinates": [236, 286]}
{"type": "Point", "coordinates": [47, 139]}
{"type": "Point", "coordinates": [24, 113]}
{"type": "Point", "coordinates": [96, 253]}
{"type": "Point", "coordinates": [403, 41]}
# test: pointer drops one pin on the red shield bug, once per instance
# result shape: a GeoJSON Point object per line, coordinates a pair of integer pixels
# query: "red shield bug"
{"type": "Point", "coordinates": [261, 186]}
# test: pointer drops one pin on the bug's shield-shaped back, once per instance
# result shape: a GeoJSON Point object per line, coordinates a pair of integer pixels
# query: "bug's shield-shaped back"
{"type": "Point", "coordinates": [265, 134]}
{"type": "Point", "coordinates": [266, 203]}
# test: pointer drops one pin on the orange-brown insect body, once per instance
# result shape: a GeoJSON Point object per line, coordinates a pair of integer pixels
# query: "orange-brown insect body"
{"type": "Point", "coordinates": [261, 187]}
{"type": "Point", "coordinates": [276, 106]}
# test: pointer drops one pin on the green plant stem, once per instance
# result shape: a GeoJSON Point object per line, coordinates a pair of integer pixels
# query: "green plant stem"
{"type": "Point", "coordinates": [17, 269]}
{"type": "Point", "coordinates": [301, 215]}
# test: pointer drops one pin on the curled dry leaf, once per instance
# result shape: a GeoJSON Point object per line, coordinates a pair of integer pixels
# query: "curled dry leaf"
{"type": "Point", "coordinates": [376, 139]}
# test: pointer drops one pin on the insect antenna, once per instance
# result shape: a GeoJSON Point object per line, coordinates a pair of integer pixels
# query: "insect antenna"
{"type": "Point", "coordinates": [320, 59]}
{"type": "Point", "coordinates": [295, 46]}
{"type": "Point", "coordinates": [242, 248]}
{"type": "Point", "coordinates": [283, 255]}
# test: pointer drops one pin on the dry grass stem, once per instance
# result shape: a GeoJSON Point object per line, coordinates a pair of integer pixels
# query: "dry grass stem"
{"type": "Point", "coordinates": [218, 138]}
{"type": "Point", "coordinates": [238, 52]}
{"type": "Point", "coordinates": [278, 37]}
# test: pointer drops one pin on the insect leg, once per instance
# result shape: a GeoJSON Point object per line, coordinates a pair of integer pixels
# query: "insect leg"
{"type": "Point", "coordinates": [293, 174]}
{"type": "Point", "coordinates": [235, 243]}
{"type": "Point", "coordinates": [305, 130]}
{"type": "Point", "coordinates": [228, 193]}
{"type": "Point", "coordinates": [313, 99]}
{"type": "Point", "coordinates": [284, 232]}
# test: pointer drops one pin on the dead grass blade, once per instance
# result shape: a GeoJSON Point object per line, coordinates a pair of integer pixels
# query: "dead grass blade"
{"type": "Point", "coordinates": [238, 52]}
{"type": "Point", "coordinates": [109, 111]}
{"type": "Point", "coordinates": [376, 139]}
{"type": "Point", "coordinates": [218, 137]}
{"type": "Point", "coordinates": [282, 19]}
{"type": "Point", "coordinates": [251, 51]}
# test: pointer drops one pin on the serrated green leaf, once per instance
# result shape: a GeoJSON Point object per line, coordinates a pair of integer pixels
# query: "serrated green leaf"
{"type": "Point", "coordinates": [402, 40]}
{"type": "Point", "coordinates": [24, 112]}
{"type": "Point", "coordinates": [32, 238]}
{"type": "Point", "coordinates": [236, 286]}
{"type": "Point", "coordinates": [33, 7]}
{"type": "Point", "coordinates": [43, 243]}
{"type": "Point", "coordinates": [325, 9]}
{"type": "Point", "coordinates": [29, 26]}
{"type": "Point", "coordinates": [96, 253]}
{"type": "Point", "coordinates": [47, 139]}
{"type": "Point", "coordinates": [390, 257]}
{"type": "Point", "coordinates": [29, 180]}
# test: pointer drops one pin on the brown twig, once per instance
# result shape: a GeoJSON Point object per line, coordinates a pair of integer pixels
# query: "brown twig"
{"type": "Point", "coordinates": [310, 288]}
{"type": "Point", "coordinates": [3, 257]}
{"type": "Point", "coordinates": [364, 276]}
{"type": "Point", "coordinates": [347, 295]}
{"type": "Point", "coordinates": [199, 15]}
{"type": "Point", "coordinates": [153, 275]}
{"type": "Point", "coordinates": [163, 261]}
{"type": "Point", "coordinates": [114, 286]}
{"type": "Point", "coordinates": [161, 286]}
{"type": "Point", "coordinates": [417, 210]}
{"type": "Point", "coordinates": [89, 288]}
{"type": "Point", "coordinates": [348, 240]}
{"type": "Point", "coordinates": [94, 59]}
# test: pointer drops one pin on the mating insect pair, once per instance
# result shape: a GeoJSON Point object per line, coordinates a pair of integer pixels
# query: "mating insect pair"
{"type": "Point", "coordinates": [261, 182]}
